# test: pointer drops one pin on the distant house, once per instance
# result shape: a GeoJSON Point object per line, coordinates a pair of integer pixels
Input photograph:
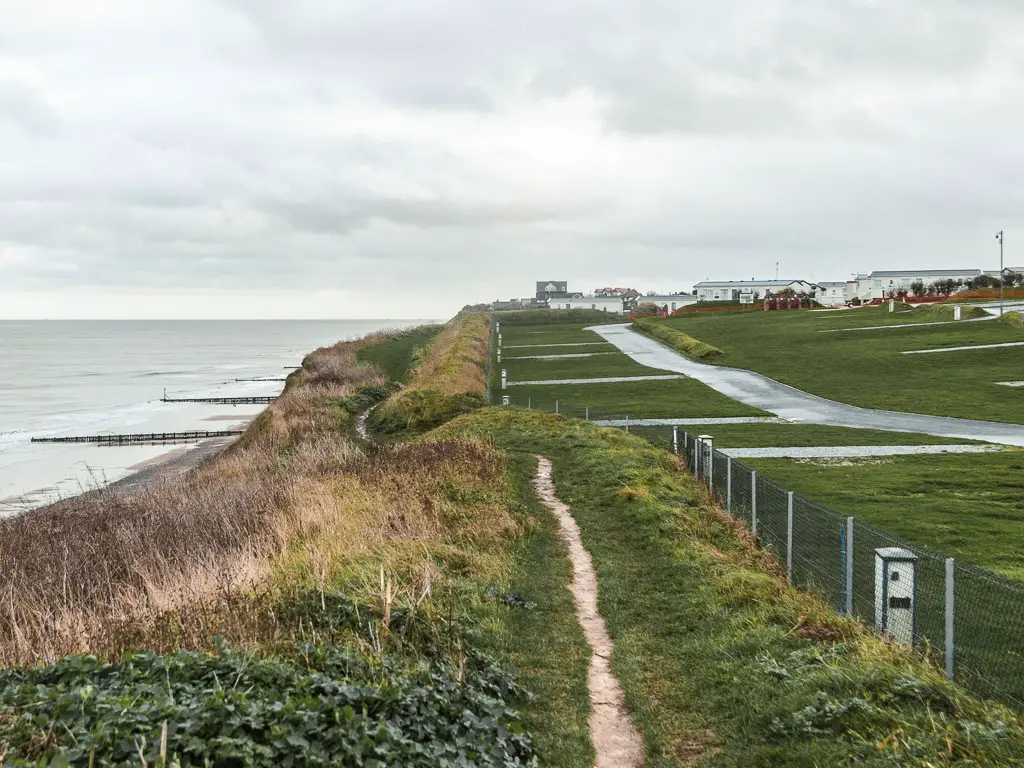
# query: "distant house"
{"type": "Point", "coordinates": [832, 294]}
{"type": "Point", "coordinates": [729, 290]}
{"type": "Point", "coordinates": [600, 303]}
{"type": "Point", "coordinates": [625, 293]}
{"type": "Point", "coordinates": [547, 289]}
{"type": "Point", "coordinates": [881, 283]}
{"type": "Point", "coordinates": [668, 301]}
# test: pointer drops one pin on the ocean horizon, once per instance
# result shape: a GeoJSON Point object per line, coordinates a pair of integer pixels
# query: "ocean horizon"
{"type": "Point", "coordinates": [74, 377]}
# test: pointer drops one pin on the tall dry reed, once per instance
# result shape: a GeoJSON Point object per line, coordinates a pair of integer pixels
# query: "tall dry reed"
{"type": "Point", "coordinates": [295, 500]}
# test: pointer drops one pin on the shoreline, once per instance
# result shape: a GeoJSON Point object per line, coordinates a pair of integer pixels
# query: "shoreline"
{"type": "Point", "coordinates": [175, 462]}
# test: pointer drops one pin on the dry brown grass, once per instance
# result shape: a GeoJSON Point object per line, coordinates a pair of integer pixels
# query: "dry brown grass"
{"type": "Point", "coordinates": [295, 504]}
{"type": "Point", "coordinates": [449, 381]}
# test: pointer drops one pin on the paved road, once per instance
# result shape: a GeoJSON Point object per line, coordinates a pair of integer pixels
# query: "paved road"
{"type": "Point", "coordinates": [793, 404]}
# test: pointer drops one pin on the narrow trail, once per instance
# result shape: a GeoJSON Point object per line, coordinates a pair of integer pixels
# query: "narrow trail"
{"type": "Point", "coordinates": [362, 430]}
{"type": "Point", "coordinates": [616, 741]}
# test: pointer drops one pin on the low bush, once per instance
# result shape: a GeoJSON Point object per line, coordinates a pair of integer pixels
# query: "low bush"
{"type": "Point", "coordinates": [678, 340]}
{"type": "Point", "coordinates": [319, 705]}
{"type": "Point", "coordinates": [945, 312]}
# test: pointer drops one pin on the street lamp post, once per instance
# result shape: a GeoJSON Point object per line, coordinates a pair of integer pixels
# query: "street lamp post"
{"type": "Point", "coordinates": [999, 237]}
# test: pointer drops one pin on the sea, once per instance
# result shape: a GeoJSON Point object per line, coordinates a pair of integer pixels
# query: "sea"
{"type": "Point", "coordinates": [68, 378]}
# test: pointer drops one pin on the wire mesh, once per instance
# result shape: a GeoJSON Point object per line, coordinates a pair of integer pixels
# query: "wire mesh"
{"type": "Point", "coordinates": [988, 629]}
{"type": "Point", "coordinates": [989, 610]}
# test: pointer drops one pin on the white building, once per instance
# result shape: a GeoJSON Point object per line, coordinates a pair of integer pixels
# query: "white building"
{"type": "Point", "coordinates": [880, 283]}
{"type": "Point", "coordinates": [600, 303]}
{"type": "Point", "coordinates": [669, 301]}
{"type": "Point", "coordinates": [831, 294]}
{"type": "Point", "coordinates": [729, 290]}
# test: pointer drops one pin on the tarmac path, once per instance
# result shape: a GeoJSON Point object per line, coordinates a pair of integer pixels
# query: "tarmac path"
{"type": "Point", "coordinates": [794, 404]}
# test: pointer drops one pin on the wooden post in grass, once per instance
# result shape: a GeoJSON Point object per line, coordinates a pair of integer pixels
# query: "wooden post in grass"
{"type": "Point", "coordinates": [556, 407]}
{"type": "Point", "coordinates": [950, 613]}
{"type": "Point", "coordinates": [789, 537]}
{"type": "Point", "coordinates": [587, 413]}
{"type": "Point", "coordinates": [753, 502]}
{"type": "Point", "coordinates": [627, 423]}
{"type": "Point", "coordinates": [529, 403]}
{"type": "Point", "coordinates": [848, 607]}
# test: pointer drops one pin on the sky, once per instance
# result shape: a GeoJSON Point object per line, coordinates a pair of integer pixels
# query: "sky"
{"type": "Point", "coordinates": [259, 158]}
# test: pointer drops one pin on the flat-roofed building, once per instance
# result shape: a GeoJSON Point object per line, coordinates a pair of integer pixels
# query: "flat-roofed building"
{"type": "Point", "coordinates": [729, 290]}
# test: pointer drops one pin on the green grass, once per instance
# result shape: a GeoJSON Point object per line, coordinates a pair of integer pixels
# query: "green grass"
{"type": "Point", "coordinates": [709, 648]}
{"type": "Point", "coordinates": [395, 356]}
{"type": "Point", "coordinates": [672, 398]}
{"type": "Point", "coordinates": [966, 505]}
{"type": "Point", "coordinates": [791, 435]}
{"type": "Point", "coordinates": [564, 333]}
{"type": "Point", "coordinates": [866, 368]}
{"type": "Point", "coordinates": [600, 366]}
{"type": "Point", "coordinates": [545, 645]}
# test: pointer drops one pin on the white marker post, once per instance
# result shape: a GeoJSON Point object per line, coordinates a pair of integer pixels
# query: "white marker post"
{"type": "Point", "coordinates": [675, 439]}
{"type": "Point", "coordinates": [505, 400]}
{"type": "Point", "coordinates": [504, 379]}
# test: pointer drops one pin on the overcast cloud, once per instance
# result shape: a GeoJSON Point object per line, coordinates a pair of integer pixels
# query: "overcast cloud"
{"type": "Point", "coordinates": [353, 159]}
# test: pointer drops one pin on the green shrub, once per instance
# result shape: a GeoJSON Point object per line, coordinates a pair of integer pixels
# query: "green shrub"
{"type": "Point", "coordinates": [326, 706]}
{"type": "Point", "coordinates": [678, 340]}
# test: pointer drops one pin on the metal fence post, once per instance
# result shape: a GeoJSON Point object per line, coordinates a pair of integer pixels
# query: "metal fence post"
{"type": "Point", "coordinates": [848, 608]}
{"type": "Point", "coordinates": [711, 463]}
{"type": "Point", "coordinates": [789, 537]}
{"type": "Point", "coordinates": [728, 484]}
{"type": "Point", "coordinates": [675, 439]}
{"type": "Point", "coordinates": [950, 613]}
{"type": "Point", "coordinates": [753, 502]}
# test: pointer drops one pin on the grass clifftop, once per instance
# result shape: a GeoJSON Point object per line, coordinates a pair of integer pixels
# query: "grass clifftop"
{"type": "Point", "coordinates": [448, 381]}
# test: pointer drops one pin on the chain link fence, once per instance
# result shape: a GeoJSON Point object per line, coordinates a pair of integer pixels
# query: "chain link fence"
{"type": "Point", "coordinates": [968, 620]}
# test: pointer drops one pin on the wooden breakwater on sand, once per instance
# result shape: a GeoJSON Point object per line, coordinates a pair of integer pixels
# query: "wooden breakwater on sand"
{"type": "Point", "coordinates": [146, 437]}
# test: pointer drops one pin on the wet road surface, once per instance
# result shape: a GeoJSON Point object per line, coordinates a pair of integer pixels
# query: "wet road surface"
{"type": "Point", "coordinates": [795, 405]}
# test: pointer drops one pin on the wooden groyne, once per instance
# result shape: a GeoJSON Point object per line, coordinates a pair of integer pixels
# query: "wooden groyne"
{"type": "Point", "coordinates": [220, 400]}
{"type": "Point", "coordinates": [147, 437]}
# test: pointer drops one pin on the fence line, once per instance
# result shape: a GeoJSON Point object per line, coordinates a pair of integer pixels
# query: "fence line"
{"type": "Point", "coordinates": [969, 621]}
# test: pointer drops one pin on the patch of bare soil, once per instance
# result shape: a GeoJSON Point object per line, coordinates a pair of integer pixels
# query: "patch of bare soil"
{"type": "Point", "coordinates": [616, 740]}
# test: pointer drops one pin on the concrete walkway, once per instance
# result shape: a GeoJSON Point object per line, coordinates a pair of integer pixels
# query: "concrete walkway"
{"type": "Point", "coordinates": [557, 357]}
{"type": "Point", "coordinates": [532, 346]}
{"type": "Point", "coordinates": [688, 422]}
{"type": "Point", "coordinates": [605, 380]}
{"type": "Point", "coordinates": [853, 451]}
{"type": "Point", "coordinates": [961, 349]}
{"type": "Point", "coordinates": [795, 405]}
{"type": "Point", "coordinates": [911, 325]}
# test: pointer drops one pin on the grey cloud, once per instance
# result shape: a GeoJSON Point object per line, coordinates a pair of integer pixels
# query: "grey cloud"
{"type": "Point", "coordinates": [461, 148]}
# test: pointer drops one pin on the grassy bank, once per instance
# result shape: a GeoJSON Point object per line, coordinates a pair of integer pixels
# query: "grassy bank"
{"type": "Point", "coordinates": [361, 599]}
{"type": "Point", "coordinates": [677, 340]}
{"type": "Point", "coordinates": [721, 664]}
{"type": "Point", "coordinates": [448, 381]}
